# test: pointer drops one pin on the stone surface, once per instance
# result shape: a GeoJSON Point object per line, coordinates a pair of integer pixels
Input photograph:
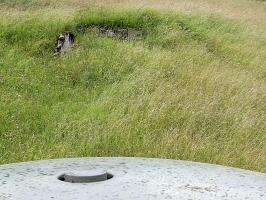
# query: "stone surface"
{"type": "Point", "coordinates": [133, 178]}
{"type": "Point", "coordinates": [64, 43]}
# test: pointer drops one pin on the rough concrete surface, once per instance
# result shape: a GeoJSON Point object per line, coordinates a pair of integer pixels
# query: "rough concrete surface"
{"type": "Point", "coordinates": [133, 178]}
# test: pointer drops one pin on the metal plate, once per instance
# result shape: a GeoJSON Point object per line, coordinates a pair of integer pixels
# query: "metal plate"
{"type": "Point", "coordinates": [133, 178]}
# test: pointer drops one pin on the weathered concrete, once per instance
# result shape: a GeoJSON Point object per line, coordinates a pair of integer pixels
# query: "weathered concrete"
{"type": "Point", "coordinates": [133, 178]}
{"type": "Point", "coordinates": [64, 43]}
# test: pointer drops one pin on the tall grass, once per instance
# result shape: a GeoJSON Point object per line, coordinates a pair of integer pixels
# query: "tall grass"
{"type": "Point", "coordinates": [192, 88]}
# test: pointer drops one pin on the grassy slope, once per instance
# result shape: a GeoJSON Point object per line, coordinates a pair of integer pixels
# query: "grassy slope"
{"type": "Point", "coordinates": [193, 89]}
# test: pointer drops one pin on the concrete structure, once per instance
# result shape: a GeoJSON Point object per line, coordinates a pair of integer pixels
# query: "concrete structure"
{"type": "Point", "coordinates": [128, 179]}
{"type": "Point", "coordinates": [64, 43]}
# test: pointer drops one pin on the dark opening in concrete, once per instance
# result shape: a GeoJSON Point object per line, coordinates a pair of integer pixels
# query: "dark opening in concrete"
{"type": "Point", "coordinates": [85, 176]}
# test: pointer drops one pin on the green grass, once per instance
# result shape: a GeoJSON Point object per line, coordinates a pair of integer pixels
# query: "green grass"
{"type": "Point", "coordinates": [192, 88]}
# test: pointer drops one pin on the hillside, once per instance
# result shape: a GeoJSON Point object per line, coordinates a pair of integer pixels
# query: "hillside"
{"type": "Point", "coordinates": [192, 87]}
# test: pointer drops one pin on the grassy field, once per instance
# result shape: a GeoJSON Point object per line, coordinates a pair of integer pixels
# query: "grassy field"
{"type": "Point", "coordinates": [192, 88]}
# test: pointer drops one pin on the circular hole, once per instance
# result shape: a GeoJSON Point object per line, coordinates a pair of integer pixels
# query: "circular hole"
{"type": "Point", "coordinates": [85, 176]}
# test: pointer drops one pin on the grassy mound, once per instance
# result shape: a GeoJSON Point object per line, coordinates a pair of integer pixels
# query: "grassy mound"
{"type": "Point", "coordinates": [192, 88]}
